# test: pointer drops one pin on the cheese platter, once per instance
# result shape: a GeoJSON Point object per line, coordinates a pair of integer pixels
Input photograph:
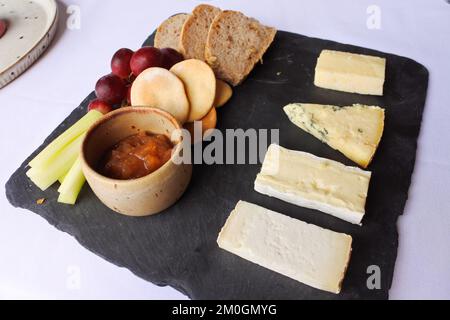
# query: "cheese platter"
{"type": "Point", "coordinates": [335, 107]}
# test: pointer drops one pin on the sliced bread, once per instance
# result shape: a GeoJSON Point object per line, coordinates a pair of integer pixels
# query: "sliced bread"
{"type": "Point", "coordinates": [235, 44]}
{"type": "Point", "coordinates": [169, 32]}
{"type": "Point", "coordinates": [195, 31]}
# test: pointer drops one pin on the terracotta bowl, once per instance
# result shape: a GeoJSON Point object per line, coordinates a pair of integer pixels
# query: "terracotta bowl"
{"type": "Point", "coordinates": [138, 197]}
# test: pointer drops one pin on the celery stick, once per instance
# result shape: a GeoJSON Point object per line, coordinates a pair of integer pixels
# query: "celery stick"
{"type": "Point", "coordinates": [66, 198]}
{"type": "Point", "coordinates": [74, 172]}
{"type": "Point", "coordinates": [73, 182]}
{"type": "Point", "coordinates": [61, 179]}
{"type": "Point", "coordinates": [81, 126]}
{"type": "Point", "coordinates": [44, 177]}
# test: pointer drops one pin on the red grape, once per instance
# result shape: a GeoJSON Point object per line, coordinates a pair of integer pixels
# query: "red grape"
{"type": "Point", "coordinates": [129, 94]}
{"type": "Point", "coordinates": [3, 27]}
{"type": "Point", "coordinates": [171, 57]}
{"type": "Point", "coordinates": [144, 58]}
{"type": "Point", "coordinates": [131, 78]}
{"type": "Point", "coordinates": [110, 89]}
{"type": "Point", "coordinates": [120, 63]}
{"type": "Point", "coordinates": [100, 106]}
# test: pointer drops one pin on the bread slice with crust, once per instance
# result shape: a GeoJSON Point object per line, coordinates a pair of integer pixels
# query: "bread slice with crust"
{"type": "Point", "coordinates": [195, 31]}
{"type": "Point", "coordinates": [235, 44]}
{"type": "Point", "coordinates": [169, 32]}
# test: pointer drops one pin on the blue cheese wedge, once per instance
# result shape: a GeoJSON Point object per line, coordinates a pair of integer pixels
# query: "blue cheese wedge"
{"type": "Point", "coordinates": [349, 72]}
{"type": "Point", "coordinates": [308, 181]}
{"type": "Point", "coordinates": [309, 254]}
{"type": "Point", "coordinates": [355, 131]}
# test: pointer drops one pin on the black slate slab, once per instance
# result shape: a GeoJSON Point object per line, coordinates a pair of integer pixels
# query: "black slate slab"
{"type": "Point", "coordinates": [178, 248]}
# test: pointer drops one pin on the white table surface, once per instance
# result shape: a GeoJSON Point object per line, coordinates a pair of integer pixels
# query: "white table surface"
{"type": "Point", "coordinates": [37, 261]}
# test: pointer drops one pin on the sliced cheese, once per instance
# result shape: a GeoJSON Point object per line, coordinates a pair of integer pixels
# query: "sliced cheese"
{"type": "Point", "coordinates": [349, 72]}
{"type": "Point", "coordinates": [308, 181]}
{"type": "Point", "coordinates": [304, 252]}
{"type": "Point", "coordinates": [355, 131]}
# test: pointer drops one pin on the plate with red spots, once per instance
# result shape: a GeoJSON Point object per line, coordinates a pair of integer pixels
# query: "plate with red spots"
{"type": "Point", "coordinates": [26, 29]}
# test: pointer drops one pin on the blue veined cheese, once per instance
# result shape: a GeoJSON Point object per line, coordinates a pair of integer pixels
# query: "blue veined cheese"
{"type": "Point", "coordinates": [355, 130]}
{"type": "Point", "coordinates": [309, 254]}
{"type": "Point", "coordinates": [308, 181]}
{"type": "Point", "coordinates": [349, 72]}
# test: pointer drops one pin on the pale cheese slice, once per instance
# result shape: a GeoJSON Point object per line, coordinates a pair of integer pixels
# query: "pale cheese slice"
{"type": "Point", "coordinates": [349, 72]}
{"type": "Point", "coordinates": [355, 131]}
{"type": "Point", "coordinates": [309, 254]}
{"type": "Point", "coordinates": [308, 181]}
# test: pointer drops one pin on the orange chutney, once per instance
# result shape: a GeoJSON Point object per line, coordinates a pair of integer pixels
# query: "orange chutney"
{"type": "Point", "coordinates": [136, 156]}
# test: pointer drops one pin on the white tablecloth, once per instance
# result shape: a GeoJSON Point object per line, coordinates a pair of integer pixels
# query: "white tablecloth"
{"type": "Point", "coordinates": [37, 261]}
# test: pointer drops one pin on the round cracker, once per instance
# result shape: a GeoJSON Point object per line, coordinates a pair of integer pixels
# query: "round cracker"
{"type": "Point", "coordinates": [207, 122]}
{"type": "Point", "coordinates": [160, 88]}
{"type": "Point", "coordinates": [200, 83]}
{"type": "Point", "coordinates": [223, 93]}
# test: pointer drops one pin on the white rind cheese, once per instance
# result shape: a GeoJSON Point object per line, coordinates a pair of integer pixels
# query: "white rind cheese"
{"type": "Point", "coordinates": [309, 254]}
{"type": "Point", "coordinates": [308, 181]}
{"type": "Point", "coordinates": [349, 72]}
{"type": "Point", "coordinates": [355, 131]}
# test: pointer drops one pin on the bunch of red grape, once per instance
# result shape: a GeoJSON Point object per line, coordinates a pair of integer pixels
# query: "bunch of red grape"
{"type": "Point", "coordinates": [114, 88]}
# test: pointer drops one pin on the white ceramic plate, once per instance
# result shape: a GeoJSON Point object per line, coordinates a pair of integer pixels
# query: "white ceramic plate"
{"type": "Point", "coordinates": [31, 27]}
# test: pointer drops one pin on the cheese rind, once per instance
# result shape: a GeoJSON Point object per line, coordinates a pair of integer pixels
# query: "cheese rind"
{"type": "Point", "coordinates": [308, 181]}
{"type": "Point", "coordinates": [309, 254]}
{"type": "Point", "coordinates": [349, 72]}
{"type": "Point", "coordinates": [355, 131]}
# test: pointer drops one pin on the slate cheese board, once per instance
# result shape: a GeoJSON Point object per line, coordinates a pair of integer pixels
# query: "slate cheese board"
{"type": "Point", "coordinates": [178, 247]}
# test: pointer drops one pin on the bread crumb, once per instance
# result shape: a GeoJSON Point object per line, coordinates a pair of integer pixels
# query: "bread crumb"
{"type": "Point", "coordinates": [40, 201]}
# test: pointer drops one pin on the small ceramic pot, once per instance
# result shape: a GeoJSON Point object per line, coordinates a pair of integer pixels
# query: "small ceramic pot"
{"type": "Point", "coordinates": [138, 197]}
